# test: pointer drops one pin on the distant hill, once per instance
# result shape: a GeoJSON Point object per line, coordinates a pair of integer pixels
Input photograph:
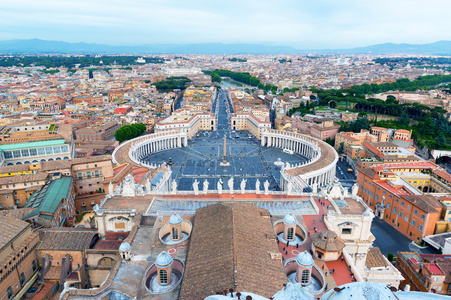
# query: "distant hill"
{"type": "Point", "coordinates": [37, 46]}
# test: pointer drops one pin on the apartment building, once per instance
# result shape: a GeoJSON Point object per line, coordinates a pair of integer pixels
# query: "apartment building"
{"type": "Point", "coordinates": [53, 204]}
{"type": "Point", "coordinates": [103, 132]}
{"type": "Point", "coordinates": [18, 260]}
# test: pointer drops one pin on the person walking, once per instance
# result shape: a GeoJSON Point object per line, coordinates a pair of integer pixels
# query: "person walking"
{"type": "Point", "coordinates": [333, 270]}
{"type": "Point", "coordinates": [323, 267]}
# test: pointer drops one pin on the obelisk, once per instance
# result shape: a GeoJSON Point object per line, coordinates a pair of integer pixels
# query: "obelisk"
{"type": "Point", "coordinates": [224, 162]}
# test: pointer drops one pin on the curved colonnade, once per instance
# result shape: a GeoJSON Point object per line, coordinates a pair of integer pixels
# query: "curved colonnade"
{"type": "Point", "coordinates": [151, 143]}
{"type": "Point", "coordinates": [321, 167]}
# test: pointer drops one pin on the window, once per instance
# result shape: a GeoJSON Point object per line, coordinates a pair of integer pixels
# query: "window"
{"type": "Point", "coordinates": [57, 149]}
{"type": "Point", "coordinates": [423, 217]}
{"type": "Point", "coordinates": [407, 218]}
{"type": "Point", "coordinates": [96, 172]}
{"type": "Point", "coordinates": [80, 176]}
{"type": "Point", "coordinates": [400, 213]}
{"type": "Point", "coordinates": [415, 211]}
{"type": "Point", "coordinates": [346, 231]}
{"type": "Point", "coordinates": [175, 233]}
{"type": "Point", "coordinates": [22, 279]}
{"type": "Point", "coordinates": [25, 152]}
{"type": "Point", "coordinates": [33, 152]}
{"type": "Point", "coordinates": [413, 222]}
{"type": "Point", "coordinates": [388, 205]}
{"type": "Point", "coordinates": [377, 197]}
{"type": "Point", "coordinates": [35, 266]}
{"type": "Point", "coordinates": [395, 210]}
{"type": "Point", "coordinates": [16, 153]}
{"type": "Point", "coordinates": [163, 277]}
{"type": "Point", "coordinates": [8, 154]}
{"type": "Point", "coordinates": [49, 150]}
{"type": "Point", "coordinates": [420, 227]}
{"type": "Point", "coordinates": [305, 277]}
{"type": "Point", "coordinates": [390, 196]}
{"type": "Point", "coordinates": [41, 151]}
{"type": "Point", "coordinates": [88, 174]}
{"type": "Point", "coordinates": [402, 203]}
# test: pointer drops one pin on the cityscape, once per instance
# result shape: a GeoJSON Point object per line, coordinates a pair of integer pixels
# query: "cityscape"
{"type": "Point", "coordinates": [184, 163]}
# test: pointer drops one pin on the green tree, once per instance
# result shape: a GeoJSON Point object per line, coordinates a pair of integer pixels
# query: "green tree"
{"type": "Point", "coordinates": [440, 141]}
{"type": "Point", "coordinates": [341, 147]}
{"type": "Point", "coordinates": [404, 118]}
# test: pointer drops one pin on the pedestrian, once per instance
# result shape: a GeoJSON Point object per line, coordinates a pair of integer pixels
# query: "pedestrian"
{"type": "Point", "coordinates": [342, 258]}
{"type": "Point", "coordinates": [333, 270]}
{"type": "Point", "coordinates": [288, 243]}
{"type": "Point", "coordinates": [326, 273]}
{"type": "Point", "coordinates": [315, 229]}
{"type": "Point", "coordinates": [323, 267]}
{"type": "Point", "coordinates": [313, 221]}
{"type": "Point", "coordinates": [284, 248]}
{"type": "Point", "coordinates": [349, 268]}
{"type": "Point", "coordinates": [286, 252]}
{"type": "Point", "coordinates": [330, 272]}
{"type": "Point", "coordinates": [297, 245]}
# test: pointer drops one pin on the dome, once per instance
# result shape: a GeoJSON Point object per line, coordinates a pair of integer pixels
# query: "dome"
{"type": "Point", "coordinates": [328, 240]}
{"type": "Point", "coordinates": [305, 259]}
{"type": "Point", "coordinates": [290, 220]}
{"type": "Point", "coordinates": [175, 219]}
{"type": "Point", "coordinates": [163, 260]}
{"type": "Point", "coordinates": [124, 247]}
{"type": "Point", "coordinates": [362, 290]}
{"type": "Point", "coordinates": [293, 291]}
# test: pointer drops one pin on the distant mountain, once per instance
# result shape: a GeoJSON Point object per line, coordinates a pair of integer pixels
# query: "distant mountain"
{"type": "Point", "coordinates": [437, 48]}
{"type": "Point", "coordinates": [37, 46]}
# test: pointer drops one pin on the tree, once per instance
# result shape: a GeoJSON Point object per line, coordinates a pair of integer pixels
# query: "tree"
{"type": "Point", "coordinates": [440, 141]}
{"type": "Point", "coordinates": [341, 147]}
{"type": "Point", "coordinates": [332, 104]}
{"type": "Point", "coordinates": [404, 118]}
{"type": "Point", "coordinates": [312, 97]}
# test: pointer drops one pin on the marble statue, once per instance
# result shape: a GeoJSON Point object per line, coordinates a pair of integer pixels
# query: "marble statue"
{"type": "Point", "coordinates": [289, 187]}
{"type": "Point", "coordinates": [230, 184]}
{"type": "Point", "coordinates": [128, 189]}
{"type": "Point", "coordinates": [140, 191]}
{"type": "Point", "coordinates": [174, 187]}
{"type": "Point", "coordinates": [219, 186]}
{"type": "Point", "coordinates": [243, 185]}
{"type": "Point", "coordinates": [148, 187]}
{"type": "Point", "coordinates": [257, 186]}
{"type": "Point", "coordinates": [196, 187]}
{"type": "Point", "coordinates": [206, 184]}
{"type": "Point", "coordinates": [110, 189]}
{"type": "Point", "coordinates": [266, 185]}
{"type": "Point", "coordinates": [355, 189]}
{"type": "Point", "coordinates": [288, 165]}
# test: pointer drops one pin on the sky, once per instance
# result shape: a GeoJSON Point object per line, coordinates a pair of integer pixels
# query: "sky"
{"type": "Point", "coordinates": [313, 24]}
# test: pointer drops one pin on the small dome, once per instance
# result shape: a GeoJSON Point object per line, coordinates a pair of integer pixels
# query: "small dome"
{"type": "Point", "coordinates": [175, 219]}
{"type": "Point", "coordinates": [305, 259]}
{"type": "Point", "coordinates": [290, 220]}
{"type": "Point", "coordinates": [124, 247]}
{"type": "Point", "coordinates": [163, 260]}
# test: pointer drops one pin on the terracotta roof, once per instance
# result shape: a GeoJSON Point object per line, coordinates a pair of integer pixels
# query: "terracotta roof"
{"type": "Point", "coordinates": [16, 213]}
{"type": "Point", "coordinates": [328, 241]}
{"type": "Point", "coordinates": [23, 178]}
{"type": "Point", "coordinates": [232, 245]}
{"type": "Point", "coordinates": [375, 258]}
{"type": "Point", "coordinates": [427, 203]}
{"type": "Point", "coordinates": [10, 227]}
{"type": "Point", "coordinates": [66, 239]}
{"type": "Point", "coordinates": [67, 163]}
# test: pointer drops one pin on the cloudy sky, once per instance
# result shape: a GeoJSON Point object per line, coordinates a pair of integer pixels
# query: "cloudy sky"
{"type": "Point", "coordinates": [298, 23]}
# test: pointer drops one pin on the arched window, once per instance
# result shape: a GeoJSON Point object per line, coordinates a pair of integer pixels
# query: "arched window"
{"type": "Point", "coordinates": [290, 233]}
{"type": "Point", "coordinates": [9, 291]}
{"type": "Point", "coordinates": [305, 276]}
{"type": "Point", "coordinates": [80, 176]}
{"type": "Point", "coordinates": [163, 277]}
{"type": "Point", "coordinates": [88, 174]}
{"type": "Point", "coordinates": [175, 233]}
{"type": "Point", "coordinates": [96, 172]}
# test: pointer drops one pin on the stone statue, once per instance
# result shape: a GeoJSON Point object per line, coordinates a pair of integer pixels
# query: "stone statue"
{"type": "Point", "coordinates": [219, 186]}
{"type": "Point", "coordinates": [196, 187]}
{"type": "Point", "coordinates": [230, 184]}
{"type": "Point", "coordinates": [140, 191]}
{"type": "Point", "coordinates": [148, 187]}
{"type": "Point", "coordinates": [355, 189]}
{"type": "Point", "coordinates": [266, 185]}
{"type": "Point", "coordinates": [174, 187]}
{"type": "Point", "coordinates": [288, 165]}
{"type": "Point", "coordinates": [257, 186]}
{"type": "Point", "coordinates": [206, 184]}
{"type": "Point", "coordinates": [110, 189]}
{"type": "Point", "coordinates": [243, 185]}
{"type": "Point", "coordinates": [289, 187]}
